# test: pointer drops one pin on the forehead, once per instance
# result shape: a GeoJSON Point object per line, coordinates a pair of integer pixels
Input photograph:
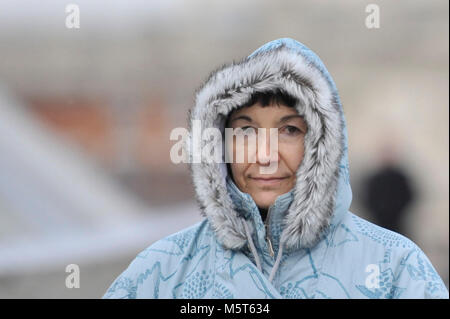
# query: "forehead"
{"type": "Point", "coordinates": [273, 111]}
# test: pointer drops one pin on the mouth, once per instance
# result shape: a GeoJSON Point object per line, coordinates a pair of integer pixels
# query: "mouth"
{"type": "Point", "coordinates": [268, 180]}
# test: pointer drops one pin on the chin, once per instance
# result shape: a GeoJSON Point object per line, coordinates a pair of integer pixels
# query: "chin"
{"type": "Point", "coordinates": [265, 202]}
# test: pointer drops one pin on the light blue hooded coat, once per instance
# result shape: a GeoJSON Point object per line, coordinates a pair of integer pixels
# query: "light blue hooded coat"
{"type": "Point", "coordinates": [310, 245]}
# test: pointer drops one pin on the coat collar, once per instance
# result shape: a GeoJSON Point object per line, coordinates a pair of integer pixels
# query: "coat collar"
{"type": "Point", "coordinates": [246, 208]}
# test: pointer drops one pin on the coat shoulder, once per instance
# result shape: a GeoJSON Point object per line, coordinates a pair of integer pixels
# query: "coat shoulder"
{"type": "Point", "coordinates": [180, 243]}
{"type": "Point", "coordinates": [377, 235]}
{"type": "Point", "coordinates": [161, 262]}
{"type": "Point", "coordinates": [402, 264]}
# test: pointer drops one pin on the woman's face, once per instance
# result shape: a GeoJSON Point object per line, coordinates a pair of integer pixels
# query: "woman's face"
{"type": "Point", "coordinates": [251, 176]}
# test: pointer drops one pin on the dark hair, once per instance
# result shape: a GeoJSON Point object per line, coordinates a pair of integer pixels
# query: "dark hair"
{"type": "Point", "coordinates": [267, 98]}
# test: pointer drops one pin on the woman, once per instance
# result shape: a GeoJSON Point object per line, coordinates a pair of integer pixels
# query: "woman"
{"type": "Point", "coordinates": [277, 223]}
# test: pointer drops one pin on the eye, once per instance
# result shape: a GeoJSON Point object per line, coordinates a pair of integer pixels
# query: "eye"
{"type": "Point", "coordinates": [291, 130]}
{"type": "Point", "coordinates": [248, 129]}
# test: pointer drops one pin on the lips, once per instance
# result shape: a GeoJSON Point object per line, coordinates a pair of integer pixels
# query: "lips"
{"type": "Point", "coordinates": [268, 180]}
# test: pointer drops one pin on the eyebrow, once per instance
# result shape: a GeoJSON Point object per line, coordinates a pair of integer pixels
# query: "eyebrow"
{"type": "Point", "coordinates": [288, 117]}
{"type": "Point", "coordinates": [242, 117]}
{"type": "Point", "coordinates": [282, 120]}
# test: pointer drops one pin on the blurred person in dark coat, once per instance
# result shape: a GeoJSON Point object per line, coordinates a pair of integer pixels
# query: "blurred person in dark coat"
{"type": "Point", "coordinates": [389, 191]}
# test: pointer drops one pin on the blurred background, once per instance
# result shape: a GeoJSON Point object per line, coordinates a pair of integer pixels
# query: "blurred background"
{"type": "Point", "coordinates": [86, 114]}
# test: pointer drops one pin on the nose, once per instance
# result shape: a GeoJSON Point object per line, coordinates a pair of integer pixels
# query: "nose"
{"type": "Point", "coordinates": [267, 150]}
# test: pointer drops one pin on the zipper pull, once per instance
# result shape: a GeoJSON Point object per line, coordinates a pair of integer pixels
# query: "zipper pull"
{"type": "Point", "coordinates": [269, 242]}
{"type": "Point", "coordinates": [266, 224]}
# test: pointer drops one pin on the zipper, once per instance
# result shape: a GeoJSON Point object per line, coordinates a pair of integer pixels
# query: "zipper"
{"type": "Point", "coordinates": [269, 241]}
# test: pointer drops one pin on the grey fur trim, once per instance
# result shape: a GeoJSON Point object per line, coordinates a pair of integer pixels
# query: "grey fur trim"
{"type": "Point", "coordinates": [317, 177]}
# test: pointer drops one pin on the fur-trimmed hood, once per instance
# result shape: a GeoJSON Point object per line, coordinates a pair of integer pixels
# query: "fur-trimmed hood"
{"type": "Point", "coordinates": [322, 194]}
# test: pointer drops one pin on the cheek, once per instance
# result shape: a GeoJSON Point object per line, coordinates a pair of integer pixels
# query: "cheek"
{"type": "Point", "coordinates": [294, 156]}
{"type": "Point", "coordinates": [238, 171]}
